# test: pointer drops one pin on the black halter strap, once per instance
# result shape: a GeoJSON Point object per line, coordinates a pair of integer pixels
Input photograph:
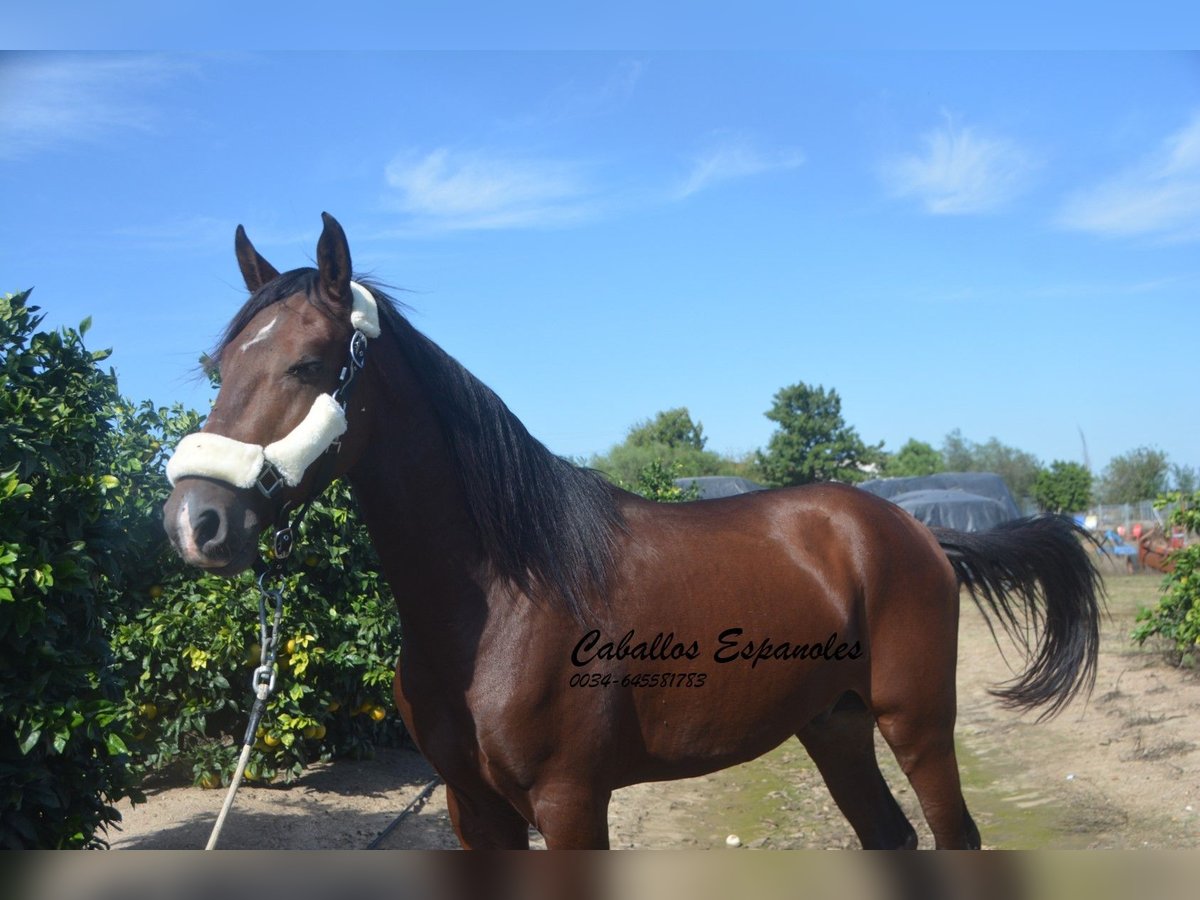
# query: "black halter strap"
{"type": "Point", "coordinates": [270, 481]}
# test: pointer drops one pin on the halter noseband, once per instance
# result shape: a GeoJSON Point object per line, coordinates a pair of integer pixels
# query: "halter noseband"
{"type": "Point", "coordinates": [283, 462]}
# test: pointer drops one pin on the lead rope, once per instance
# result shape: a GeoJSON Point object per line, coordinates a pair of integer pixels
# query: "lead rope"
{"type": "Point", "coordinates": [263, 680]}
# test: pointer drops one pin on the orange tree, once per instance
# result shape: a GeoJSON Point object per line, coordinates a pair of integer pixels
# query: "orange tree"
{"type": "Point", "coordinates": [64, 757]}
{"type": "Point", "coordinates": [190, 642]}
{"type": "Point", "coordinates": [117, 662]}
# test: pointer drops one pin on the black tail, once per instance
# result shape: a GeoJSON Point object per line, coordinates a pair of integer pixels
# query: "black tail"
{"type": "Point", "coordinates": [1045, 563]}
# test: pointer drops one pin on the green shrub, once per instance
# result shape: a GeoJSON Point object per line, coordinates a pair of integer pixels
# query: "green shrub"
{"type": "Point", "coordinates": [63, 754]}
{"type": "Point", "coordinates": [656, 481]}
{"type": "Point", "coordinates": [1177, 616]}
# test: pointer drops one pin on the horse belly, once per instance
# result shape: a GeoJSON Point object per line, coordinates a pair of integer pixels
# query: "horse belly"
{"type": "Point", "coordinates": [761, 663]}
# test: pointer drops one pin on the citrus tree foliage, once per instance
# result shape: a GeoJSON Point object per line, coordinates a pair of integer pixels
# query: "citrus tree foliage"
{"type": "Point", "coordinates": [671, 439]}
{"type": "Point", "coordinates": [1018, 468]}
{"type": "Point", "coordinates": [63, 757]}
{"type": "Point", "coordinates": [1064, 487]}
{"type": "Point", "coordinates": [117, 662]}
{"type": "Point", "coordinates": [914, 458]}
{"type": "Point", "coordinates": [1177, 616]}
{"type": "Point", "coordinates": [1134, 476]}
{"type": "Point", "coordinates": [813, 441]}
{"type": "Point", "coordinates": [191, 644]}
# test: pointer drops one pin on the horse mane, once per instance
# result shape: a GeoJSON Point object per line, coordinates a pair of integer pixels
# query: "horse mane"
{"type": "Point", "coordinates": [548, 526]}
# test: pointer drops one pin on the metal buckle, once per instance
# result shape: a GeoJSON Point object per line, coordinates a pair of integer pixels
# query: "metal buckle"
{"type": "Point", "coordinates": [270, 480]}
{"type": "Point", "coordinates": [283, 543]}
{"type": "Point", "coordinates": [265, 676]}
{"type": "Point", "coordinates": [358, 350]}
{"type": "Point", "coordinates": [357, 358]}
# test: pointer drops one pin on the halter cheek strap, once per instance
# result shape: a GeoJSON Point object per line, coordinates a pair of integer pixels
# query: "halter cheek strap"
{"type": "Point", "coordinates": [284, 462]}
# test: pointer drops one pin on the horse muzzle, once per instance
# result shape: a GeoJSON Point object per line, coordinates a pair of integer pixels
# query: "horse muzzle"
{"type": "Point", "coordinates": [212, 527]}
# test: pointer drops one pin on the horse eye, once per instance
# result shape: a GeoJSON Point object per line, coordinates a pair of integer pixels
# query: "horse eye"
{"type": "Point", "coordinates": [306, 369]}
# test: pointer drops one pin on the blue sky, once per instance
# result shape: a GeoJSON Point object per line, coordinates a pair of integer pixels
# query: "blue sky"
{"type": "Point", "coordinates": [1001, 242]}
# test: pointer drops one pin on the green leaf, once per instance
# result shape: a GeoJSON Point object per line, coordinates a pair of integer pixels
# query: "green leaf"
{"type": "Point", "coordinates": [115, 745]}
{"type": "Point", "coordinates": [30, 741]}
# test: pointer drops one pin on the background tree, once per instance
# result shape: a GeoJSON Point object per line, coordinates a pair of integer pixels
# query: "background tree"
{"type": "Point", "coordinates": [914, 458]}
{"type": "Point", "coordinates": [1186, 479]}
{"type": "Point", "coordinates": [1064, 487]}
{"type": "Point", "coordinates": [1018, 468]}
{"type": "Point", "coordinates": [813, 441]}
{"type": "Point", "coordinates": [1140, 474]}
{"type": "Point", "coordinates": [672, 428]}
{"type": "Point", "coordinates": [672, 440]}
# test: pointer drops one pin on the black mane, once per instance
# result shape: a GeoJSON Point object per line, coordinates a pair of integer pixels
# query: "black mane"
{"type": "Point", "coordinates": [547, 525]}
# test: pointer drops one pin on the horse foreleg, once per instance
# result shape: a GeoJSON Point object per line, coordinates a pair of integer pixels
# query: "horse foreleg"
{"type": "Point", "coordinates": [486, 821]}
{"type": "Point", "coordinates": [842, 744]}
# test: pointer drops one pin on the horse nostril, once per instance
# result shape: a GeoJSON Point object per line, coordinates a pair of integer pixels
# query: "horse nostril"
{"type": "Point", "coordinates": [208, 528]}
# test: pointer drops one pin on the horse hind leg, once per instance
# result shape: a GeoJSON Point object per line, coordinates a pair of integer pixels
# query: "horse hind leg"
{"type": "Point", "coordinates": [842, 744]}
{"type": "Point", "coordinates": [486, 821]}
{"type": "Point", "coordinates": [924, 748]}
{"type": "Point", "coordinates": [572, 815]}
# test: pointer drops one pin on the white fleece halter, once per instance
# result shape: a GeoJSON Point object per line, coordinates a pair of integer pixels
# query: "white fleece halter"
{"type": "Point", "coordinates": [207, 455]}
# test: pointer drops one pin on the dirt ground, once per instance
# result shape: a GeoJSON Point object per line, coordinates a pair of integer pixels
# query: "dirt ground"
{"type": "Point", "coordinates": [1119, 771]}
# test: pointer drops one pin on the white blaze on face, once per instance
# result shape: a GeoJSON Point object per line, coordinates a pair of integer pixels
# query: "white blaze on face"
{"type": "Point", "coordinates": [183, 528]}
{"type": "Point", "coordinates": [261, 335]}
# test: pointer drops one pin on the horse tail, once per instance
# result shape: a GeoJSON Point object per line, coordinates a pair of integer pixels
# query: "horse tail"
{"type": "Point", "coordinates": [1043, 564]}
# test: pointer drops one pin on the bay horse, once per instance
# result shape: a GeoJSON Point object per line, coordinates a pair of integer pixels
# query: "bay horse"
{"type": "Point", "coordinates": [563, 638]}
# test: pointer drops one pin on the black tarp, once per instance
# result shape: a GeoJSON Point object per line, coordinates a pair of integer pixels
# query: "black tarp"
{"type": "Point", "coordinates": [713, 486]}
{"type": "Point", "coordinates": [964, 501]}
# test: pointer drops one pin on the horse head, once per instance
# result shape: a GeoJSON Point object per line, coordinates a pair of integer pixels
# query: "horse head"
{"type": "Point", "coordinates": [284, 372]}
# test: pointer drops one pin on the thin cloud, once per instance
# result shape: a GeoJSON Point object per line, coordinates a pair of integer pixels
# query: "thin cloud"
{"type": "Point", "coordinates": [446, 190]}
{"type": "Point", "coordinates": [52, 101]}
{"type": "Point", "coordinates": [960, 172]}
{"type": "Point", "coordinates": [581, 100]}
{"type": "Point", "coordinates": [1160, 196]}
{"type": "Point", "coordinates": [731, 160]}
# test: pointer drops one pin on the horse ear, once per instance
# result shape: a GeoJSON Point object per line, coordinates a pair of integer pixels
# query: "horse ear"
{"type": "Point", "coordinates": [256, 271]}
{"type": "Point", "coordinates": [333, 262]}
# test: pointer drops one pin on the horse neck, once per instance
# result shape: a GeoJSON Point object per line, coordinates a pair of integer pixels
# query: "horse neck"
{"type": "Point", "coordinates": [413, 505]}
